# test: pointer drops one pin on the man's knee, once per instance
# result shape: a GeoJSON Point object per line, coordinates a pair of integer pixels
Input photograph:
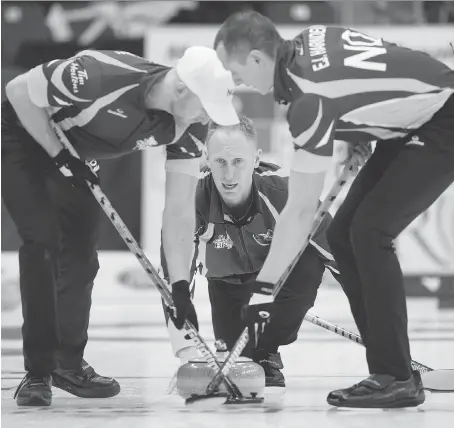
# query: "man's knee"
{"type": "Point", "coordinates": [38, 268]}
{"type": "Point", "coordinates": [338, 235]}
{"type": "Point", "coordinates": [79, 267]}
{"type": "Point", "coordinates": [370, 231]}
{"type": "Point", "coordinates": [37, 252]}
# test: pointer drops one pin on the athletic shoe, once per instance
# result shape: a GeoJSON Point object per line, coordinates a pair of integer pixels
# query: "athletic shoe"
{"type": "Point", "coordinates": [85, 382]}
{"type": "Point", "coordinates": [380, 391]}
{"type": "Point", "coordinates": [272, 365]}
{"type": "Point", "coordinates": [34, 390]}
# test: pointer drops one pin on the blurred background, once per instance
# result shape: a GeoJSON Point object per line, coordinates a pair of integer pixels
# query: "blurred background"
{"type": "Point", "coordinates": [38, 31]}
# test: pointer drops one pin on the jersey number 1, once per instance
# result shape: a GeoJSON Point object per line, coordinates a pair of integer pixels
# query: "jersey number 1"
{"type": "Point", "coordinates": [368, 48]}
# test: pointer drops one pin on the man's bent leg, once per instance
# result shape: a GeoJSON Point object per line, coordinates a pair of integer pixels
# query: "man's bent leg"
{"type": "Point", "coordinates": [79, 215]}
{"type": "Point", "coordinates": [411, 184]}
{"type": "Point", "coordinates": [226, 302]}
{"type": "Point", "coordinates": [339, 231]}
{"type": "Point", "coordinates": [415, 179]}
{"type": "Point", "coordinates": [37, 286]}
{"type": "Point", "coordinates": [296, 297]}
{"type": "Point", "coordinates": [25, 195]}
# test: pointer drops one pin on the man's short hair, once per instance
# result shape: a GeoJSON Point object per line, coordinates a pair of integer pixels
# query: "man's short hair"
{"type": "Point", "coordinates": [249, 30]}
{"type": "Point", "coordinates": [246, 127]}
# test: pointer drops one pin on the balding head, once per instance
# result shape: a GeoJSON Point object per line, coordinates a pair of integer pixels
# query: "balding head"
{"type": "Point", "coordinates": [245, 130]}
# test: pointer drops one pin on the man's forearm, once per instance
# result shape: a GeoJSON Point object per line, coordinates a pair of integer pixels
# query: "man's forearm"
{"type": "Point", "coordinates": [34, 119]}
{"type": "Point", "coordinates": [177, 240]}
{"type": "Point", "coordinates": [290, 234]}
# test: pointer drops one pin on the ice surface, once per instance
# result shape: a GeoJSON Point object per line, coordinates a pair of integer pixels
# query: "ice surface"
{"type": "Point", "coordinates": [128, 341]}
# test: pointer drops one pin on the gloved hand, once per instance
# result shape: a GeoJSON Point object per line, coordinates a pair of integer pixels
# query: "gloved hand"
{"type": "Point", "coordinates": [360, 153]}
{"type": "Point", "coordinates": [184, 308]}
{"type": "Point", "coordinates": [74, 168]}
{"type": "Point", "coordinates": [258, 313]}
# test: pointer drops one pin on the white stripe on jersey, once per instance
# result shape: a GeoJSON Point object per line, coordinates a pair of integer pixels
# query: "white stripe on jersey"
{"type": "Point", "coordinates": [410, 112]}
{"type": "Point", "coordinates": [109, 60]}
{"type": "Point", "coordinates": [270, 206]}
{"type": "Point", "coordinates": [344, 87]}
{"type": "Point", "coordinates": [306, 135]}
{"type": "Point", "coordinates": [197, 142]}
{"type": "Point", "coordinates": [182, 149]}
{"type": "Point", "coordinates": [89, 113]}
{"type": "Point", "coordinates": [326, 138]}
{"type": "Point", "coordinates": [61, 102]}
{"type": "Point", "coordinates": [380, 133]}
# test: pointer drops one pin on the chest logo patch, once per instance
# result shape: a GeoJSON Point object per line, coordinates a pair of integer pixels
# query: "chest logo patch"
{"type": "Point", "coordinates": [223, 242]}
{"type": "Point", "coordinates": [263, 239]}
{"type": "Point", "coordinates": [146, 142]}
{"type": "Point", "coordinates": [118, 112]}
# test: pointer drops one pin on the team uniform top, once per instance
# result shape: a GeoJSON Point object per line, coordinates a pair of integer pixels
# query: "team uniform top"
{"type": "Point", "coordinates": [97, 98]}
{"type": "Point", "coordinates": [232, 249]}
{"type": "Point", "coordinates": [345, 85]}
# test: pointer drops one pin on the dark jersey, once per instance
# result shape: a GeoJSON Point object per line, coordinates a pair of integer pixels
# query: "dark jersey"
{"type": "Point", "coordinates": [342, 84]}
{"type": "Point", "coordinates": [97, 98]}
{"type": "Point", "coordinates": [233, 250]}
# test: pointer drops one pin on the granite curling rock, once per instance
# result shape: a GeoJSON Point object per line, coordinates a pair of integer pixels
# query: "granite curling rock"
{"type": "Point", "coordinates": [194, 377]}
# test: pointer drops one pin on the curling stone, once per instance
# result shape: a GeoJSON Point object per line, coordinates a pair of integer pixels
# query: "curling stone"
{"type": "Point", "coordinates": [194, 376]}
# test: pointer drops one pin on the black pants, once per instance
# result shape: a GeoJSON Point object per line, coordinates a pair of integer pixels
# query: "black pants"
{"type": "Point", "coordinates": [296, 297]}
{"type": "Point", "coordinates": [398, 183]}
{"type": "Point", "coordinates": [58, 224]}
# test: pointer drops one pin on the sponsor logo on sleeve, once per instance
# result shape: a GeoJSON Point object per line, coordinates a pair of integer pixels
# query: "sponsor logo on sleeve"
{"type": "Point", "coordinates": [78, 76]}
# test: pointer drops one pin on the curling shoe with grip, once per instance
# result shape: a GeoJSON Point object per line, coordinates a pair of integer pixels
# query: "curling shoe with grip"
{"type": "Point", "coordinates": [194, 377]}
{"type": "Point", "coordinates": [85, 382]}
{"type": "Point", "coordinates": [380, 391]}
{"type": "Point", "coordinates": [34, 390]}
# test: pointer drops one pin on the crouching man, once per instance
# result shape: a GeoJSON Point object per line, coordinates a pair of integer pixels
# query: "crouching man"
{"type": "Point", "coordinates": [238, 201]}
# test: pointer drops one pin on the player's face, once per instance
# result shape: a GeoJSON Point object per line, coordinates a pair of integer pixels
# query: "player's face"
{"type": "Point", "coordinates": [232, 159]}
{"type": "Point", "coordinates": [189, 109]}
{"type": "Point", "coordinates": [254, 69]}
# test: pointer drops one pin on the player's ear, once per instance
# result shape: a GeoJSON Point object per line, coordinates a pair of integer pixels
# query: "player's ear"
{"type": "Point", "coordinates": [181, 89]}
{"type": "Point", "coordinates": [258, 153]}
